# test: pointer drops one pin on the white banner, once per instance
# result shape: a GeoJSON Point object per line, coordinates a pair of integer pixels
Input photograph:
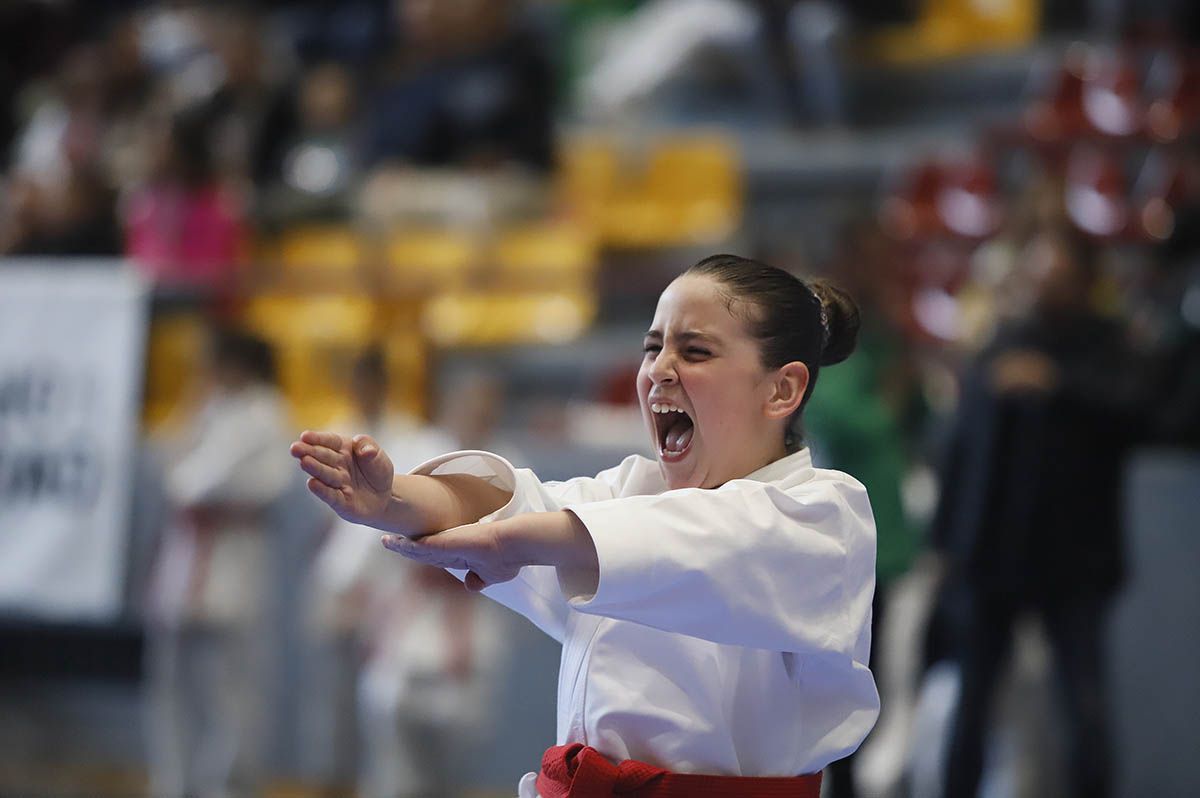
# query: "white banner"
{"type": "Point", "coordinates": [71, 347]}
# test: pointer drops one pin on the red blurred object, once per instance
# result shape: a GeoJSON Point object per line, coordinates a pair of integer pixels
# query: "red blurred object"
{"type": "Point", "coordinates": [619, 386]}
{"type": "Point", "coordinates": [1112, 98]}
{"type": "Point", "coordinates": [1096, 193]}
{"type": "Point", "coordinates": [939, 199]}
{"type": "Point", "coordinates": [968, 203]}
{"type": "Point", "coordinates": [908, 212]}
{"type": "Point", "coordinates": [1057, 115]}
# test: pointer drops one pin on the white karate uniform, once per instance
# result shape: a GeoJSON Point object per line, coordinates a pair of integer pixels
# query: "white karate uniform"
{"type": "Point", "coordinates": [415, 705]}
{"type": "Point", "coordinates": [730, 630]}
{"type": "Point", "coordinates": [206, 651]}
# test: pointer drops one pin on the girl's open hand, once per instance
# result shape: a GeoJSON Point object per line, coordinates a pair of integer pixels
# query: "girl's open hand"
{"type": "Point", "coordinates": [496, 551]}
{"type": "Point", "coordinates": [351, 475]}
{"type": "Point", "coordinates": [482, 549]}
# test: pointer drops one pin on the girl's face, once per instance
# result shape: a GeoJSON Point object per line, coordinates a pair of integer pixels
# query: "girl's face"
{"type": "Point", "coordinates": [701, 360]}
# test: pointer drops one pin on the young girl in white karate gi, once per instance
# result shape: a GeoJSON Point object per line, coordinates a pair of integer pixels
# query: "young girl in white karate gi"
{"type": "Point", "coordinates": [714, 603]}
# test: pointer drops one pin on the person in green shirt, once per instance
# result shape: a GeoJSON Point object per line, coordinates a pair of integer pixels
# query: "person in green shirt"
{"type": "Point", "coordinates": [863, 419]}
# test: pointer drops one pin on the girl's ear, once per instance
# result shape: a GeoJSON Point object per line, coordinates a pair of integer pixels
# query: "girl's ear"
{"type": "Point", "coordinates": [789, 386]}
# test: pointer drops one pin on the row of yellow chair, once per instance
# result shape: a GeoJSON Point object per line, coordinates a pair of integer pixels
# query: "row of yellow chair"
{"type": "Point", "coordinates": [317, 339]}
{"type": "Point", "coordinates": [951, 28]}
{"type": "Point", "coordinates": [417, 262]}
{"type": "Point", "coordinates": [687, 189]}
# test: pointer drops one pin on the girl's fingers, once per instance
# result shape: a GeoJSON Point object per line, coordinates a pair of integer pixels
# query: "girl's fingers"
{"type": "Point", "coordinates": [330, 496]}
{"type": "Point", "coordinates": [330, 440]}
{"type": "Point", "coordinates": [333, 477]}
{"type": "Point", "coordinates": [365, 446]}
{"type": "Point", "coordinates": [425, 553]}
{"type": "Point", "coordinates": [329, 456]}
{"type": "Point", "coordinates": [482, 572]}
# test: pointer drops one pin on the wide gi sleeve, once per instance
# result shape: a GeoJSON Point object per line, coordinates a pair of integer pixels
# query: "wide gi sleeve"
{"type": "Point", "coordinates": [748, 564]}
{"type": "Point", "coordinates": [534, 593]}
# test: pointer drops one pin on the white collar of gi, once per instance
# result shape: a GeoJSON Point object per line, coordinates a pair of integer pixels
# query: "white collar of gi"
{"type": "Point", "coordinates": [797, 465]}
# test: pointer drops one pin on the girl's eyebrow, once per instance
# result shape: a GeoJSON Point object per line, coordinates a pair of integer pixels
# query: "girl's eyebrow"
{"type": "Point", "coordinates": [686, 336]}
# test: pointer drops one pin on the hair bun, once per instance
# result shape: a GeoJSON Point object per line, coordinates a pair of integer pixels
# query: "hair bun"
{"type": "Point", "coordinates": [839, 316]}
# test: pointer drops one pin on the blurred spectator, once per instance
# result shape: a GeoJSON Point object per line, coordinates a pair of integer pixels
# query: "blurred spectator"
{"type": "Point", "coordinates": [1030, 512]}
{"type": "Point", "coordinates": [816, 34]}
{"type": "Point", "coordinates": [1175, 326]}
{"type": "Point", "coordinates": [33, 36]}
{"type": "Point", "coordinates": [864, 421]}
{"type": "Point", "coordinates": [787, 56]}
{"type": "Point", "coordinates": [468, 87]}
{"type": "Point", "coordinates": [664, 39]}
{"type": "Point", "coordinates": [81, 222]}
{"type": "Point", "coordinates": [995, 281]}
{"type": "Point", "coordinates": [67, 127]}
{"type": "Point", "coordinates": [131, 90]}
{"type": "Point", "coordinates": [340, 584]}
{"type": "Point", "coordinates": [183, 227]}
{"type": "Point", "coordinates": [247, 114]}
{"type": "Point", "coordinates": [431, 679]}
{"type": "Point", "coordinates": [346, 31]}
{"type": "Point", "coordinates": [79, 145]}
{"type": "Point", "coordinates": [433, 652]}
{"type": "Point", "coordinates": [320, 162]}
{"type": "Point", "coordinates": [205, 645]}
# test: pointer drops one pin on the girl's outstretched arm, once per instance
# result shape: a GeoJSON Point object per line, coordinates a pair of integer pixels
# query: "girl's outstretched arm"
{"type": "Point", "coordinates": [356, 478]}
{"type": "Point", "coordinates": [495, 552]}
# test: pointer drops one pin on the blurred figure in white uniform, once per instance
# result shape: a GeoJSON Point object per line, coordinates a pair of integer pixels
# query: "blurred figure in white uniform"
{"type": "Point", "coordinates": [209, 591]}
{"type": "Point", "coordinates": [337, 595]}
{"type": "Point", "coordinates": [428, 655]}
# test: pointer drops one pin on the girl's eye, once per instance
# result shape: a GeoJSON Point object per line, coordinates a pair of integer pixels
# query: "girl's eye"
{"type": "Point", "coordinates": [648, 348]}
{"type": "Point", "coordinates": [698, 352]}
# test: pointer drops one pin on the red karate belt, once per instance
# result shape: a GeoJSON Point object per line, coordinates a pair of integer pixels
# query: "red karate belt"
{"type": "Point", "coordinates": [579, 771]}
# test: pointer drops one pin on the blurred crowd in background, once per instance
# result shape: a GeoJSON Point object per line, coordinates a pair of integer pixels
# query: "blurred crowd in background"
{"type": "Point", "coordinates": [446, 223]}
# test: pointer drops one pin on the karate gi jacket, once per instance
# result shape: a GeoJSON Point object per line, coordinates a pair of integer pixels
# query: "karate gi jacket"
{"type": "Point", "coordinates": [730, 630]}
{"type": "Point", "coordinates": [212, 566]}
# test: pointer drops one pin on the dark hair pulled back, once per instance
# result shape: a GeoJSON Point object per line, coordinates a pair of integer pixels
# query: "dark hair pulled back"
{"type": "Point", "coordinates": [810, 321]}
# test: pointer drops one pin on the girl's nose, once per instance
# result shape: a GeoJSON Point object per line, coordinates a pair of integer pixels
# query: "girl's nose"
{"type": "Point", "coordinates": [663, 370]}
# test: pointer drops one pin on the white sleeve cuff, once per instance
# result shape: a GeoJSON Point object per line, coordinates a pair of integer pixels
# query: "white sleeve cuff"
{"type": "Point", "coordinates": [489, 467]}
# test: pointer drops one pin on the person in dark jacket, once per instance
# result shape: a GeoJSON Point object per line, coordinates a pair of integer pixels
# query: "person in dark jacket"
{"type": "Point", "coordinates": [471, 88]}
{"type": "Point", "coordinates": [1029, 517]}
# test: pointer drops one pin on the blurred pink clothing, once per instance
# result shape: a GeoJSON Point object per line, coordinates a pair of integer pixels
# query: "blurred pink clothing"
{"type": "Point", "coordinates": [181, 236]}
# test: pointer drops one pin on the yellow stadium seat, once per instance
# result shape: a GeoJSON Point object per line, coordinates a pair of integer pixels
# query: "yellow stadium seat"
{"type": "Point", "coordinates": [493, 319]}
{"type": "Point", "coordinates": [406, 356]}
{"type": "Point", "coordinates": [320, 253]}
{"type": "Point", "coordinates": [637, 219]}
{"type": "Point", "coordinates": [545, 255]}
{"type": "Point", "coordinates": [173, 356]}
{"type": "Point", "coordinates": [316, 339]}
{"type": "Point", "coordinates": [947, 28]}
{"type": "Point", "coordinates": [348, 317]}
{"type": "Point", "coordinates": [690, 191]}
{"type": "Point", "coordinates": [699, 181]}
{"type": "Point", "coordinates": [589, 173]}
{"type": "Point", "coordinates": [422, 261]}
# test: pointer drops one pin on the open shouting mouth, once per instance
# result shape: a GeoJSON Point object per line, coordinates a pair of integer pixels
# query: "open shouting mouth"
{"type": "Point", "coordinates": [674, 429]}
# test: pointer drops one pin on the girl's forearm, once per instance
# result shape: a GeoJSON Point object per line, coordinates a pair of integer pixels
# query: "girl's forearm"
{"type": "Point", "coordinates": [422, 505]}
